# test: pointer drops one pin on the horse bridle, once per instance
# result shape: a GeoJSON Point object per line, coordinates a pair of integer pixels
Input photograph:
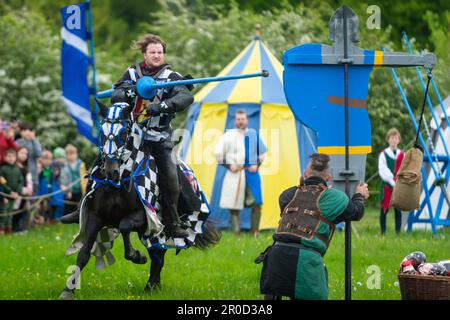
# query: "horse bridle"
{"type": "Point", "coordinates": [117, 154]}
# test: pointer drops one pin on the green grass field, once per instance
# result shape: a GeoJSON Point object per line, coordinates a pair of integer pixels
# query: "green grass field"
{"type": "Point", "coordinates": [33, 266]}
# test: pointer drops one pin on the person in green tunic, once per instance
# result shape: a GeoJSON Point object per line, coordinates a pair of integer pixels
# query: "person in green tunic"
{"type": "Point", "coordinates": [293, 265]}
{"type": "Point", "coordinates": [14, 183]}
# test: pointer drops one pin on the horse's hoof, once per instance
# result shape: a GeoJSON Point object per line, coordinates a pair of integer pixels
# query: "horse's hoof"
{"type": "Point", "coordinates": [152, 287]}
{"type": "Point", "coordinates": [140, 258]}
{"type": "Point", "coordinates": [137, 257]}
{"type": "Point", "coordinates": [66, 295]}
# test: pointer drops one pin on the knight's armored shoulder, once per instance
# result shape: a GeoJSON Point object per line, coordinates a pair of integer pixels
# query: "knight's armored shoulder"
{"type": "Point", "coordinates": [175, 76]}
{"type": "Point", "coordinates": [128, 76]}
{"type": "Point", "coordinates": [123, 84]}
{"type": "Point", "coordinates": [124, 92]}
{"type": "Point", "coordinates": [188, 77]}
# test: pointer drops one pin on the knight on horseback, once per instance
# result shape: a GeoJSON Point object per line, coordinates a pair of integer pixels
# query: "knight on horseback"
{"type": "Point", "coordinates": [159, 112]}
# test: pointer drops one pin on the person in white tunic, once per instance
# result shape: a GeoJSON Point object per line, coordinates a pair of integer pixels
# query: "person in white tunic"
{"type": "Point", "coordinates": [241, 151]}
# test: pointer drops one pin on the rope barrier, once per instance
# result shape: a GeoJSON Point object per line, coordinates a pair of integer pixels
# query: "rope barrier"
{"type": "Point", "coordinates": [70, 203]}
{"type": "Point", "coordinates": [31, 208]}
{"type": "Point", "coordinates": [6, 195]}
{"type": "Point", "coordinates": [38, 199]}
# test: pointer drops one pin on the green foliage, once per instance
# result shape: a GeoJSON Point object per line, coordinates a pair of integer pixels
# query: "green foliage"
{"type": "Point", "coordinates": [199, 46]}
{"type": "Point", "coordinates": [30, 79]}
{"type": "Point", "coordinates": [440, 34]}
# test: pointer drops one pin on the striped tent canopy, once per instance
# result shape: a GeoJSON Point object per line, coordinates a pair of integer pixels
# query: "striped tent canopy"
{"type": "Point", "coordinates": [289, 143]}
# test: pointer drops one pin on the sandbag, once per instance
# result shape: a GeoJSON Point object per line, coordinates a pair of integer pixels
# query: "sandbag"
{"type": "Point", "coordinates": [406, 193]}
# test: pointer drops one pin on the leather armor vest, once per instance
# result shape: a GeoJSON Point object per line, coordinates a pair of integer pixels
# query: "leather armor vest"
{"type": "Point", "coordinates": [301, 217]}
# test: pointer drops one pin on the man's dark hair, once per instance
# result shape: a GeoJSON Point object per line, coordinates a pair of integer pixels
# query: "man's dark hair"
{"type": "Point", "coordinates": [26, 126]}
{"type": "Point", "coordinates": [318, 166]}
{"type": "Point", "coordinates": [319, 161]}
{"type": "Point", "coordinates": [142, 44]}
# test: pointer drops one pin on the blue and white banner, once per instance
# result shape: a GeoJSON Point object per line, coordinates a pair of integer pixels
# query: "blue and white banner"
{"type": "Point", "coordinates": [74, 67]}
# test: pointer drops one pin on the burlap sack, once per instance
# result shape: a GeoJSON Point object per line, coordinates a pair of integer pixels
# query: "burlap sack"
{"type": "Point", "coordinates": [406, 193]}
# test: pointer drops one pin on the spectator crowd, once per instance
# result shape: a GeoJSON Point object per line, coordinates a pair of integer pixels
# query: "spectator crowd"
{"type": "Point", "coordinates": [37, 185]}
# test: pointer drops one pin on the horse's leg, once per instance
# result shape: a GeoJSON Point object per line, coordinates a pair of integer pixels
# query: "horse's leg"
{"type": "Point", "coordinates": [157, 257]}
{"type": "Point", "coordinates": [93, 226]}
{"type": "Point", "coordinates": [132, 222]}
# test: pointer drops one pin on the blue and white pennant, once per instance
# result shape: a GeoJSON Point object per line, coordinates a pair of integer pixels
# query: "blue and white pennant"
{"type": "Point", "coordinates": [75, 61]}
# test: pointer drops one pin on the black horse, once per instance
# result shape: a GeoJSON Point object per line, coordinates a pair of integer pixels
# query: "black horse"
{"type": "Point", "coordinates": [121, 208]}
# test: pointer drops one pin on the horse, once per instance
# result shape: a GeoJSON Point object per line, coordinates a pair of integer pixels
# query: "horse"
{"type": "Point", "coordinates": [114, 204]}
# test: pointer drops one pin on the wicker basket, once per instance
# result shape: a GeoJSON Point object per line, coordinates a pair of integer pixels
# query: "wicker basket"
{"type": "Point", "coordinates": [421, 287]}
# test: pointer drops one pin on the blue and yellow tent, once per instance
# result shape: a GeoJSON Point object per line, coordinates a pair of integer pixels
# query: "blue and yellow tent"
{"type": "Point", "coordinates": [289, 143]}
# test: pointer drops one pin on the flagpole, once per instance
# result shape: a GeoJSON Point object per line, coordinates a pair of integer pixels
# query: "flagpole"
{"type": "Point", "coordinates": [92, 62]}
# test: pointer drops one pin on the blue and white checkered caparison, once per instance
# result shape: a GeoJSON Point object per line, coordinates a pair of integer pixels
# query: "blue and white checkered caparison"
{"type": "Point", "coordinates": [142, 167]}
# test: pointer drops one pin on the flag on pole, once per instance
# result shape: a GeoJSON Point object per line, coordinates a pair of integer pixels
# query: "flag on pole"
{"type": "Point", "coordinates": [75, 62]}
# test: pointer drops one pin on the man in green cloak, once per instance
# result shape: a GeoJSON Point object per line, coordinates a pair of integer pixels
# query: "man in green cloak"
{"type": "Point", "coordinates": [293, 264]}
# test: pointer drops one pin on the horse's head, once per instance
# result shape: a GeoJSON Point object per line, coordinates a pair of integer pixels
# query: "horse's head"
{"type": "Point", "coordinates": [115, 132]}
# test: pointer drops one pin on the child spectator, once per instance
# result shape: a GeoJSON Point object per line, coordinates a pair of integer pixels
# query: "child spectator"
{"type": "Point", "coordinates": [14, 183]}
{"type": "Point", "coordinates": [20, 221]}
{"type": "Point", "coordinates": [29, 141]}
{"type": "Point", "coordinates": [45, 184]}
{"type": "Point", "coordinates": [73, 171]}
{"type": "Point", "coordinates": [6, 139]}
{"type": "Point", "coordinates": [59, 154]}
{"type": "Point", "coordinates": [389, 163]}
{"type": "Point", "coordinates": [57, 200]}
{"type": "Point", "coordinates": [38, 219]}
{"type": "Point", "coordinates": [53, 208]}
